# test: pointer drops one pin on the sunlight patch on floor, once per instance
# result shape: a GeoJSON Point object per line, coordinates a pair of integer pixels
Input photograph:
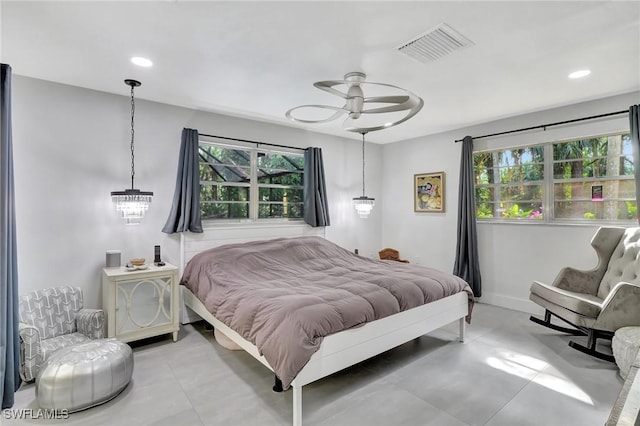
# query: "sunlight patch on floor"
{"type": "Point", "coordinates": [530, 368]}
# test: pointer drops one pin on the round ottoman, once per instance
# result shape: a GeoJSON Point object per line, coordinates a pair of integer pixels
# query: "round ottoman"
{"type": "Point", "coordinates": [625, 344]}
{"type": "Point", "coordinates": [225, 342]}
{"type": "Point", "coordinates": [84, 375]}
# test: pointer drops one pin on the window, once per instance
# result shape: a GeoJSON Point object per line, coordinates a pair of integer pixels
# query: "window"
{"type": "Point", "coordinates": [574, 181]}
{"type": "Point", "coordinates": [239, 183]}
{"type": "Point", "coordinates": [509, 184]}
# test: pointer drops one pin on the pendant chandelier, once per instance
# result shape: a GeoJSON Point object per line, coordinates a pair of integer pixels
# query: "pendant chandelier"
{"type": "Point", "coordinates": [132, 204]}
{"type": "Point", "coordinates": [364, 204]}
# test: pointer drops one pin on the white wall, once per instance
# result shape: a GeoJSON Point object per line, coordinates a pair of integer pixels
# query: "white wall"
{"type": "Point", "coordinates": [511, 256]}
{"type": "Point", "coordinates": [71, 149]}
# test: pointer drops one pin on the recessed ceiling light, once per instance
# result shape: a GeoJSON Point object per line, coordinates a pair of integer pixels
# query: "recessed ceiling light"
{"type": "Point", "coordinates": [141, 62]}
{"type": "Point", "coordinates": [580, 74]}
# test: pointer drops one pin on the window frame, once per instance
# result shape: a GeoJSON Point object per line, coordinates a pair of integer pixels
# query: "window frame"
{"type": "Point", "coordinates": [254, 186]}
{"type": "Point", "coordinates": [548, 183]}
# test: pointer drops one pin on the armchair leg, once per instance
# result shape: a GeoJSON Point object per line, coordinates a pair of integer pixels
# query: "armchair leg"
{"type": "Point", "coordinates": [547, 323]}
{"type": "Point", "coordinates": [590, 349]}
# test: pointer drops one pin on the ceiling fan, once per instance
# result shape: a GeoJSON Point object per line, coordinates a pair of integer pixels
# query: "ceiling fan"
{"type": "Point", "coordinates": [357, 105]}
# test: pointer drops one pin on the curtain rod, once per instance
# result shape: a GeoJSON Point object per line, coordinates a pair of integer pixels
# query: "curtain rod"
{"type": "Point", "coordinates": [544, 126]}
{"type": "Point", "coordinates": [256, 142]}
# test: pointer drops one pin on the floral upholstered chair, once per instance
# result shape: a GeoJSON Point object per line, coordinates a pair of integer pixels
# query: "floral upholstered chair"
{"type": "Point", "coordinates": [52, 319]}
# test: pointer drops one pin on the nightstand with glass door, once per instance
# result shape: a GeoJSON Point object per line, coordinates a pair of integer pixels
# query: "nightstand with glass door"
{"type": "Point", "coordinates": [140, 303]}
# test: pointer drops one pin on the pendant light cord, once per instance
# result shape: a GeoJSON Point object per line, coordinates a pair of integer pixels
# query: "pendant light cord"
{"type": "Point", "coordinates": [133, 109]}
{"type": "Point", "coordinates": [363, 164]}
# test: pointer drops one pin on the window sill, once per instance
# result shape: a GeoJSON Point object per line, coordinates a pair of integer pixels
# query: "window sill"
{"type": "Point", "coordinates": [245, 224]}
{"type": "Point", "coordinates": [625, 224]}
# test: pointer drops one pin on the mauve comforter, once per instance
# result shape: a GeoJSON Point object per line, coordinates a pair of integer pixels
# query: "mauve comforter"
{"type": "Point", "coordinates": [285, 295]}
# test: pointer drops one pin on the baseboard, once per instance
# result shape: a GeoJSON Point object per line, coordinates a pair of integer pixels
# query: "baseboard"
{"type": "Point", "coordinates": [508, 302]}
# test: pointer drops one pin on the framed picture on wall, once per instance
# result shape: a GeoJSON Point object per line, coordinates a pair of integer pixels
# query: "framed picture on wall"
{"type": "Point", "coordinates": [596, 193]}
{"type": "Point", "coordinates": [428, 192]}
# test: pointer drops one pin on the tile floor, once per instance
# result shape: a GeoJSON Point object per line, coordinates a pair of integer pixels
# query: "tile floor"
{"type": "Point", "coordinates": [509, 371]}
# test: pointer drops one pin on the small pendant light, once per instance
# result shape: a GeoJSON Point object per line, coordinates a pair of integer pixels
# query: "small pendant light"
{"type": "Point", "coordinates": [132, 203]}
{"type": "Point", "coordinates": [364, 204]}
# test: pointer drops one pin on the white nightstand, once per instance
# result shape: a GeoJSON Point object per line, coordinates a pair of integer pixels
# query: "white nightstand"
{"type": "Point", "coordinates": [141, 303]}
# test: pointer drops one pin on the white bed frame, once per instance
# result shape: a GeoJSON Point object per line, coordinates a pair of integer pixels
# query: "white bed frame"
{"type": "Point", "coordinates": [339, 350]}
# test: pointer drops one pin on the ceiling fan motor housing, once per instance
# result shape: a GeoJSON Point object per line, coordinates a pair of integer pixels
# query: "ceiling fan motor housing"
{"type": "Point", "coordinates": [355, 96]}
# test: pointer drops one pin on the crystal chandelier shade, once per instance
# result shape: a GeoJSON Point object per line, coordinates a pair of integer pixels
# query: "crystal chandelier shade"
{"type": "Point", "coordinates": [363, 206]}
{"type": "Point", "coordinates": [132, 204]}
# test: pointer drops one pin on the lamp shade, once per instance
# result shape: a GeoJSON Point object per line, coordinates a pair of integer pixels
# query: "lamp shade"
{"type": "Point", "coordinates": [363, 206]}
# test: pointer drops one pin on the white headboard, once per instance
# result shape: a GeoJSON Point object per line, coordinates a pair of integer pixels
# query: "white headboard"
{"type": "Point", "coordinates": [193, 243]}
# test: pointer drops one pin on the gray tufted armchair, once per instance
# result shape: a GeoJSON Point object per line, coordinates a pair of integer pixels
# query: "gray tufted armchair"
{"type": "Point", "coordinates": [52, 319]}
{"type": "Point", "coordinates": [599, 301]}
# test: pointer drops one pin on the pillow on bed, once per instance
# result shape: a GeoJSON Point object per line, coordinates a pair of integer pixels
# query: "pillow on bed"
{"type": "Point", "coordinates": [225, 342]}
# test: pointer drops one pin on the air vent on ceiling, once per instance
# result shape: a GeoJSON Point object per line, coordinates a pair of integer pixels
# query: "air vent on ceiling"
{"type": "Point", "coordinates": [435, 43]}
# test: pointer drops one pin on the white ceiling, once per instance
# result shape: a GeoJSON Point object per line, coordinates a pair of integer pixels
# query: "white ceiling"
{"type": "Point", "coordinates": [258, 59]}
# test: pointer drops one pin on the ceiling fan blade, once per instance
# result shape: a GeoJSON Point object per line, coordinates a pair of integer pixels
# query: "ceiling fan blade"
{"type": "Point", "coordinates": [390, 108]}
{"type": "Point", "coordinates": [412, 106]}
{"type": "Point", "coordinates": [387, 99]}
{"type": "Point", "coordinates": [351, 125]}
{"type": "Point", "coordinates": [327, 86]}
{"type": "Point", "coordinates": [410, 102]}
{"type": "Point", "coordinates": [338, 112]}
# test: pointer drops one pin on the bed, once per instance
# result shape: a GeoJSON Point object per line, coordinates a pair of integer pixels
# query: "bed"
{"type": "Point", "coordinates": [289, 303]}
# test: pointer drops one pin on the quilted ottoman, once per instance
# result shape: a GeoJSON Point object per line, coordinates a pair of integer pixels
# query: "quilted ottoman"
{"type": "Point", "coordinates": [84, 375]}
{"type": "Point", "coordinates": [625, 344]}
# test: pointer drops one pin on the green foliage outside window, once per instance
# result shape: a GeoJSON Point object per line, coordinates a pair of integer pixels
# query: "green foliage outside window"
{"type": "Point", "coordinates": [592, 179]}
{"type": "Point", "coordinates": [508, 183]}
{"type": "Point", "coordinates": [226, 185]}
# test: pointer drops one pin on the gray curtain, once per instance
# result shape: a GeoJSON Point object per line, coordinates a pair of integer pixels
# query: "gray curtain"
{"type": "Point", "coordinates": [634, 126]}
{"type": "Point", "coordinates": [316, 206]}
{"type": "Point", "coordinates": [9, 338]}
{"type": "Point", "coordinates": [185, 209]}
{"type": "Point", "coordinates": [467, 265]}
